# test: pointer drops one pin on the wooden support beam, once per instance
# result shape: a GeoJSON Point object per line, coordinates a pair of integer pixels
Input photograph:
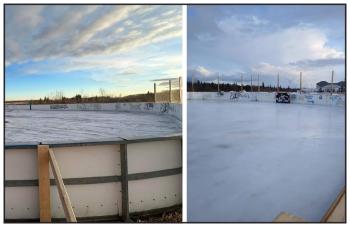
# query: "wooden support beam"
{"type": "Point", "coordinates": [288, 218]}
{"type": "Point", "coordinates": [336, 212]}
{"type": "Point", "coordinates": [62, 191]}
{"type": "Point", "coordinates": [44, 183]}
{"type": "Point", "coordinates": [124, 181]}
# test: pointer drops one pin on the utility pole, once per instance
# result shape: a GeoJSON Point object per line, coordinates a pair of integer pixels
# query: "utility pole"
{"type": "Point", "coordinates": [332, 82]}
{"type": "Point", "coordinates": [218, 84]}
{"type": "Point", "coordinates": [258, 83]}
{"type": "Point", "coordinates": [251, 82]}
{"type": "Point", "coordinates": [180, 90]}
{"type": "Point", "coordinates": [169, 91]}
{"type": "Point", "coordinates": [155, 91]}
{"type": "Point", "coordinates": [301, 79]}
{"type": "Point", "coordinates": [192, 83]}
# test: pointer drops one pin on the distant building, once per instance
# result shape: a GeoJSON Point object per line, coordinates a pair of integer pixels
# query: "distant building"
{"type": "Point", "coordinates": [324, 86]}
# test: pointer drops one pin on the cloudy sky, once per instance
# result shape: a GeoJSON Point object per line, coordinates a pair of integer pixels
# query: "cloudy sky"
{"type": "Point", "coordinates": [79, 49]}
{"type": "Point", "coordinates": [231, 40]}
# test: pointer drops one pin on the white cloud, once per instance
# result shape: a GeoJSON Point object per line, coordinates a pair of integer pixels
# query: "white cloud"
{"type": "Point", "coordinates": [44, 33]}
{"type": "Point", "coordinates": [203, 71]}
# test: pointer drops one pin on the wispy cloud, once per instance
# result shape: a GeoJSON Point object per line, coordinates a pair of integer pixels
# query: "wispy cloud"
{"type": "Point", "coordinates": [106, 43]}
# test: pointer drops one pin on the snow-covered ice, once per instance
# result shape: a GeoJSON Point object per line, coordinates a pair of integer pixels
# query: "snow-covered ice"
{"type": "Point", "coordinates": [61, 126]}
{"type": "Point", "coordinates": [249, 161]}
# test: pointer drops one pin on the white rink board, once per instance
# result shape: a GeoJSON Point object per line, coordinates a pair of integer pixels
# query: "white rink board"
{"type": "Point", "coordinates": [21, 202]}
{"type": "Point", "coordinates": [20, 164]}
{"type": "Point", "coordinates": [93, 161]}
{"type": "Point", "coordinates": [90, 200]}
{"type": "Point", "coordinates": [155, 193]}
{"type": "Point", "coordinates": [153, 156]}
{"type": "Point", "coordinates": [87, 200]}
{"type": "Point", "coordinates": [96, 199]}
{"type": "Point", "coordinates": [296, 98]}
{"type": "Point", "coordinates": [172, 109]}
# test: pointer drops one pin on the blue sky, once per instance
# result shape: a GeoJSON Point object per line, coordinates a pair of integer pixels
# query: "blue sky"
{"type": "Point", "coordinates": [80, 49]}
{"type": "Point", "coordinates": [266, 39]}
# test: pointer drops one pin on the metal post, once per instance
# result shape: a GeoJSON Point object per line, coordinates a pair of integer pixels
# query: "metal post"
{"type": "Point", "coordinates": [251, 82]}
{"type": "Point", "coordinates": [192, 83]}
{"type": "Point", "coordinates": [332, 82]}
{"type": "Point", "coordinates": [155, 92]}
{"type": "Point", "coordinates": [301, 79]}
{"type": "Point", "coordinates": [169, 91]}
{"type": "Point", "coordinates": [124, 182]}
{"type": "Point", "coordinates": [218, 85]}
{"type": "Point", "coordinates": [180, 89]}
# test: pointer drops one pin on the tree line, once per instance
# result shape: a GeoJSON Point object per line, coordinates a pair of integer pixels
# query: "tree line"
{"type": "Point", "coordinates": [200, 86]}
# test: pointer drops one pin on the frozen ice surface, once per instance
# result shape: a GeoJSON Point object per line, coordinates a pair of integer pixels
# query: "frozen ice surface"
{"type": "Point", "coordinates": [249, 161]}
{"type": "Point", "coordinates": [61, 126]}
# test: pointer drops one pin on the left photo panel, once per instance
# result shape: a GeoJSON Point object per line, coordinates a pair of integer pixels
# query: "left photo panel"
{"type": "Point", "coordinates": [93, 113]}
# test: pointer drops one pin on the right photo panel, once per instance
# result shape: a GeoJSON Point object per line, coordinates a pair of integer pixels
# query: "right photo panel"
{"type": "Point", "coordinates": [266, 113]}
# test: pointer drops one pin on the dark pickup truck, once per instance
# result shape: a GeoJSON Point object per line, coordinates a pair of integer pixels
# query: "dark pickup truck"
{"type": "Point", "coordinates": [282, 97]}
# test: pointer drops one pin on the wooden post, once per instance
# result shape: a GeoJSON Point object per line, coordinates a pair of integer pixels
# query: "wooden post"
{"type": "Point", "coordinates": [301, 79]}
{"type": "Point", "coordinates": [44, 183]}
{"type": "Point", "coordinates": [62, 191]}
{"type": "Point", "coordinates": [169, 91]}
{"type": "Point", "coordinates": [155, 91]}
{"type": "Point", "coordinates": [124, 182]}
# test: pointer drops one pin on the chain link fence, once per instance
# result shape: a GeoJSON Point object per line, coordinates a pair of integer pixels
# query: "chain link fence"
{"type": "Point", "coordinates": [168, 90]}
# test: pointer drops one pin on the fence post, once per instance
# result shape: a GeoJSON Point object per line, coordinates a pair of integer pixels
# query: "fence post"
{"type": "Point", "coordinates": [124, 182]}
{"type": "Point", "coordinates": [180, 98]}
{"type": "Point", "coordinates": [44, 183]}
{"type": "Point", "coordinates": [155, 92]}
{"type": "Point", "coordinates": [169, 91]}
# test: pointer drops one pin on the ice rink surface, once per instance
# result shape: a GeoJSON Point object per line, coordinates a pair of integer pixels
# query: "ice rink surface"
{"type": "Point", "coordinates": [65, 126]}
{"type": "Point", "coordinates": [249, 161]}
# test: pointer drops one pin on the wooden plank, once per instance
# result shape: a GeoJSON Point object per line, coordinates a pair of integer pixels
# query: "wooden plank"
{"type": "Point", "coordinates": [288, 218]}
{"type": "Point", "coordinates": [44, 183]}
{"type": "Point", "coordinates": [336, 212]}
{"type": "Point", "coordinates": [124, 182]}
{"type": "Point", "coordinates": [62, 191]}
